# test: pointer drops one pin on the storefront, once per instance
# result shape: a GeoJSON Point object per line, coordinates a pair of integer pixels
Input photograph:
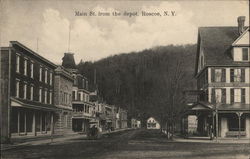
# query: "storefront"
{"type": "Point", "coordinates": [29, 121]}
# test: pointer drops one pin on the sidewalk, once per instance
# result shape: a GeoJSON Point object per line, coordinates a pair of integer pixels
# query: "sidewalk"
{"type": "Point", "coordinates": [207, 140]}
{"type": "Point", "coordinates": [40, 140]}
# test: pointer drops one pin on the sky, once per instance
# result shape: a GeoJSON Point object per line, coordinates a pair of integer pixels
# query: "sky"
{"type": "Point", "coordinates": [44, 25]}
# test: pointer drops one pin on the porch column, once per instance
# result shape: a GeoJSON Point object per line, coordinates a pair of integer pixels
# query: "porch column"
{"type": "Point", "coordinates": [18, 122]}
{"type": "Point", "coordinates": [41, 122]}
{"type": "Point", "coordinates": [224, 128]}
{"type": "Point", "coordinates": [52, 124]}
{"type": "Point", "coordinates": [248, 127]}
{"type": "Point", "coordinates": [34, 124]}
{"type": "Point", "coordinates": [45, 121]}
{"type": "Point", "coordinates": [83, 126]}
{"type": "Point", "coordinates": [239, 118]}
{"type": "Point", "coordinates": [25, 123]}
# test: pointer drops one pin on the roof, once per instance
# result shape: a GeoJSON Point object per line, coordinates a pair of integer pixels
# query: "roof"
{"type": "Point", "coordinates": [216, 43]}
{"type": "Point", "coordinates": [68, 61]}
{"type": "Point", "coordinates": [33, 53]}
{"type": "Point", "coordinates": [234, 106]}
{"type": "Point", "coordinates": [60, 70]}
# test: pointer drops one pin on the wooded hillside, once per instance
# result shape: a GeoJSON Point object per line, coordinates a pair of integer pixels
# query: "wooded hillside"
{"type": "Point", "coordinates": [145, 82]}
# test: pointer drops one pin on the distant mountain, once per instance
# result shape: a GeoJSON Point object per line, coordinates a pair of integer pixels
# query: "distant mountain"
{"type": "Point", "coordinates": [138, 81]}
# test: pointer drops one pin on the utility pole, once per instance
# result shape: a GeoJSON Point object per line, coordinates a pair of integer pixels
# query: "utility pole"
{"type": "Point", "coordinates": [37, 45]}
{"type": "Point", "coordinates": [69, 38]}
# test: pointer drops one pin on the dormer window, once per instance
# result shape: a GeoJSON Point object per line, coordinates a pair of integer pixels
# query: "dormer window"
{"type": "Point", "coordinates": [245, 54]}
{"type": "Point", "coordinates": [241, 54]}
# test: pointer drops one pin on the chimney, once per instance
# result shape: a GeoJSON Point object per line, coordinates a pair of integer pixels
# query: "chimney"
{"type": "Point", "coordinates": [241, 21]}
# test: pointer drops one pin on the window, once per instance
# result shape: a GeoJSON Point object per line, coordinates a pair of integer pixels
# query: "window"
{"type": "Point", "coordinates": [70, 98]}
{"type": "Point", "coordinates": [237, 75]}
{"type": "Point", "coordinates": [40, 73]}
{"type": "Point", "coordinates": [45, 96]}
{"type": "Point", "coordinates": [75, 80]}
{"type": "Point", "coordinates": [50, 97]}
{"type": "Point", "coordinates": [24, 91]}
{"type": "Point", "coordinates": [32, 69]}
{"type": "Point", "coordinates": [245, 54]}
{"type": "Point", "coordinates": [17, 88]}
{"type": "Point", "coordinates": [82, 96]}
{"type": "Point", "coordinates": [218, 75]}
{"type": "Point", "coordinates": [50, 78]}
{"type": "Point", "coordinates": [17, 63]}
{"type": "Point", "coordinates": [87, 85]}
{"type": "Point", "coordinates": [218, 95]}
{"type": "Point", "coordinates": [46, 75]}
{"type": "Point", "coordinates": [25, 66]}
{"type": "Point", "coordinates": [73, 95]}
{"type": "Point", "coordinates": [87, 96]}
{"type": "Point", "coordinates": [31, 92]}
{"type": "Point", "coordinates": [61, 94]}
{"type": "Point", "coordinates": [40, 94]}
{"type": "Point", "coordinates": [235, 95]}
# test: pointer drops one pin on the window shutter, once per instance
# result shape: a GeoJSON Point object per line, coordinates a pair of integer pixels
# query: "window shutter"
{"type": "Point", "coordinates": [212, 75]}
{"type": "Point", "coordinates": [223, 75]}
{"type": "Point", "coordinates": [231, 75]}
{"type": "Point", "coordinates": [232, 95]}
{"type": "Point", "coordinates": [242, 75]}
{"type": "Point", "coordinates": [213, 96]}
{"type": "Point", "coordinates": [223, 92]}
{"type": "Point", "coordinates": [243, 95]}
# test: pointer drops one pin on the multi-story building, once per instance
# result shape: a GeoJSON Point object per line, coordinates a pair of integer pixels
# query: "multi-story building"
{"type": "Point", "coordinates": [222, 72]}
{"type": "Point", "coordinates": [110, 116]}
{"type": "Point", "coordinates": [123, 118]}
{"type": "Point", "coordinates": [83, 109]}
{"type": "Point", "coordinates": [27, 96]}
{"type": "Point", "coordinates": [63, 100]}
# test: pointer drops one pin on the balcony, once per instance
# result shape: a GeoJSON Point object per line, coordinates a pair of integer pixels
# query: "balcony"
{"type": "Point", "coordinates": [81, 114]}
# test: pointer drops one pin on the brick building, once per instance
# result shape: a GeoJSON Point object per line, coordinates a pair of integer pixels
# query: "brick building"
{"type": "Point", "coordinates": [83, 109]}
{"type": "Point", "coordinates": [27, 83]}
{"type": "Point", "coordinates": [63, 100]}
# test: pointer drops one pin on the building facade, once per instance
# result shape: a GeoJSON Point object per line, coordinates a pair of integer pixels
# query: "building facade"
{"type": "Point", "coordinates": [123, 118]}
{"type": "Point", "coordinates": [83, 109]}
{"type": "Point", "coordinates": [152, 123]}
{"type": "Point", "coordinates": [135, 123]}
{"type": "Point", "coordinates": [28, 98]}
{"type": "Point", "coordinates": [63, 100]}
{"type": "Point", "coordinates": [222, 72]}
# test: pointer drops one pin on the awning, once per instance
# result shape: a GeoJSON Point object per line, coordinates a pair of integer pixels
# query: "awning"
{"type": "Point", "coordinates": [198, 107]}
{"type": "Point", "coordinates": [31, 105]}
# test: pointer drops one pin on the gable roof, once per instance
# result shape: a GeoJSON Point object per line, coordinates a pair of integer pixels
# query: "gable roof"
{"type": "Point", "coordinates": [216, 43]}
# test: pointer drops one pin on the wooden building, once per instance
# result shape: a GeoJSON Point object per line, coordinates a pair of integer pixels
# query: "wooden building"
{"type": "Point", "coordinates": [222, 72]}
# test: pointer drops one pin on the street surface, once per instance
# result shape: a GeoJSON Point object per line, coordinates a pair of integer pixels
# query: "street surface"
{"type": "Point", "coordinates": [131, 144]}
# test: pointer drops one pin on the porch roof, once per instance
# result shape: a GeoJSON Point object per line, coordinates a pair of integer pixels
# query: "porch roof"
{"type": "Point", "coordinates": [198, 107]}
{"type": "Point", "coordinates": [21, 103]}
{"type": "Point", "coordinates": [234, 107]}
